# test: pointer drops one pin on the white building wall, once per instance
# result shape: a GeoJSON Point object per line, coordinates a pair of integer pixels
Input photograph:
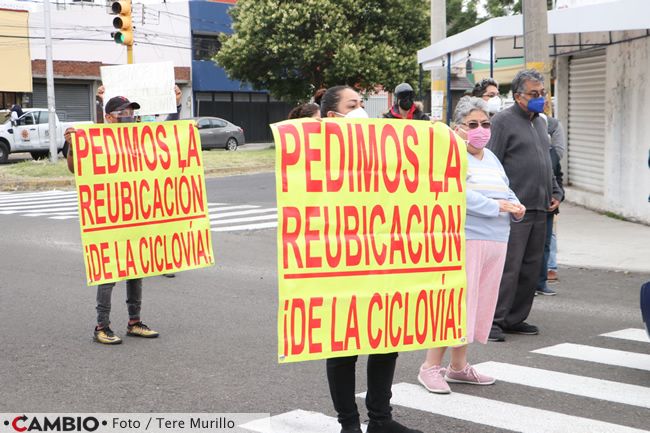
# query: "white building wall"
{"type": "Point", "coordinates": [627, 132]}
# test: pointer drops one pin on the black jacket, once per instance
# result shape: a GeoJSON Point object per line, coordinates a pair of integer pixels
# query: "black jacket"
{"type": "Point", "coordinates": [413, 113]}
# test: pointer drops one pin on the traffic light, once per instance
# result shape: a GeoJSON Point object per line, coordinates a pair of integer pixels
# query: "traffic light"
{"type": "Point", "coordinates": [122, 22]}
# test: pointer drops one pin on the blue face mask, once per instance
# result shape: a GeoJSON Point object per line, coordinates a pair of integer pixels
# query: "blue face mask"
{"type": "Point", "coordinates": [536, 105]}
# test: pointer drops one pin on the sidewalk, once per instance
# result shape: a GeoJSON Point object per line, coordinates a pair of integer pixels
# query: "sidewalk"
{"type": "Point", "coordinates": [591, 240]}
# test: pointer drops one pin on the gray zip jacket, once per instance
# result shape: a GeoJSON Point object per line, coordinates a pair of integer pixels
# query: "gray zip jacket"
{"type": "Point", "coordinates": [521, 144]}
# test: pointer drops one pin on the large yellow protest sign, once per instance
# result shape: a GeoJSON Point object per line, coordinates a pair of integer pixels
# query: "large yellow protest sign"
{"type": "Point", "coordinates": [142, 200]}
{"type": "Point", "coordinates": [371, 245]}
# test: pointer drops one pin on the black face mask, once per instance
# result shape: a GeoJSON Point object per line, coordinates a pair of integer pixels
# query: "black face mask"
{"type": "Point", "coordinates": [405, 101]}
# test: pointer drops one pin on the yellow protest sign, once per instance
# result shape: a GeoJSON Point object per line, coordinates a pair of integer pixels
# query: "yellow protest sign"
{"type": "Point", "coordinates": [371, 244]}
{"type": "Point", "coordinates": [142, 200]}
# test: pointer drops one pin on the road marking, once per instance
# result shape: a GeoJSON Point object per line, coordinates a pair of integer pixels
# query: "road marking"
{"type": "Point", "coordinates": [499, 414]}
{"type": "Point", "coordinates": [632, 334]}
{"type": "Point", "coordinates": [41, 205]}
{"type": "Point", "coordinates": [246, 227]}
{"type": "Point", "coordinates": [63, 205]}
{"type": "Point", "coordinates": [12, 195]}
{"type": "Point", "coordinates": [245, 219]}
{"type": "Point", "coordinates": [568, 383]}
{"type": "Point", "coordinates": [47, 198]}
{"type": "Point", "coordinates": [244, 212]}
{"type": "Point", "coordinates": [600, 355]}
{"type": "Point", "coordinates": [241, 206]}
{"type": "Point", "coordinates": [296, 421]}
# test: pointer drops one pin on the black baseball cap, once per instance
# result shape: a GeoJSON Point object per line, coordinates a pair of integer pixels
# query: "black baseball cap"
{"type": "Point", "coordinates": [118, 103]}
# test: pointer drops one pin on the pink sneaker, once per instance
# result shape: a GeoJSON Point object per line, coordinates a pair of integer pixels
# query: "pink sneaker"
{"type": "Point", "coordinates": [468, 375]}
{"type": "Point", "coordinates": [433, 379]}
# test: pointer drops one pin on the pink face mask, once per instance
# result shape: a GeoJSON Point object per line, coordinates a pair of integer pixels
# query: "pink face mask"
{"type": "Point", "coordinates": [478, 137]}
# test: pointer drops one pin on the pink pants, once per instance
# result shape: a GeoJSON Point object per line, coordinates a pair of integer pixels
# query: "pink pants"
{"type": "Point", "coordinates": [484, 263]}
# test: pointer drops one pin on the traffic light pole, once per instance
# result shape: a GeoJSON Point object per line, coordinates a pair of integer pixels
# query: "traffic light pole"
{"type": "Point", "coordinates": [129, 54]}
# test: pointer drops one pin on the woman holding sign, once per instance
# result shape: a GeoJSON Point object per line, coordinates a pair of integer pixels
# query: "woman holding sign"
{"type": "Point", "coordinates": [491, 205]}
{"type": "Point", "coordinates": [343, 101]}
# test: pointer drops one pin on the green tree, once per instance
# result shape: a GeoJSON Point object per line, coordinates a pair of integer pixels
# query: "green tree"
{"type": "Point", "coordinates": [292, 48]}
{"type": "Point", "coordinates": [463, 14]}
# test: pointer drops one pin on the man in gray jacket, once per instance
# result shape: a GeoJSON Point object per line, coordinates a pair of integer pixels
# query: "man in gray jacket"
{"type": "Point", "coordinates": [520, 141]}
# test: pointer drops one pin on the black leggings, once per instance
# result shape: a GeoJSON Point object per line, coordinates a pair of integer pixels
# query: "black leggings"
{"type": "Point", "coordinates": [341, 379]}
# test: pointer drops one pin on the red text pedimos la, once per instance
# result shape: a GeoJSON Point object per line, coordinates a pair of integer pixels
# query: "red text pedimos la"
{"type": "Point", "coordinates": [368, 157]}
{"type": "Point", "coordinates": [136, 148]}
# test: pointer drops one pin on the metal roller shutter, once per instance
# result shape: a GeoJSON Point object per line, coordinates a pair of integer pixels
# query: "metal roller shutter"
{"type": "Point", "coordinates": [586, 131]}
{"type": "Point", "coordinates": [72, 100]}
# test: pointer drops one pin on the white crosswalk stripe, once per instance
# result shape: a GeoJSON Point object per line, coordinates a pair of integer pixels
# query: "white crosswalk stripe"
{"type": "Point", "coordinates": [521, 417]}
{"type": "Point", "coordinates": [600, 355]}
{"type": "Point", "coordinates": [296, 421]}
{"type": "Point", "coordinates": [499, 414]}
{"type": "Point", "coordinates": [568, 383]}
{"type": "Point", "coordinates": [632, 334]}
{"type": "Point", "coordinates": [62, 205]}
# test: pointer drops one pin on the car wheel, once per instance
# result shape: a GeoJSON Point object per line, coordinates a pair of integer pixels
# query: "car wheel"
{"type": "Point", "coordinates": [231, 144]}
{"type": "Point", "coordinates": [39, 155]}
{"type": "Point", "coordinates": [4, 152]}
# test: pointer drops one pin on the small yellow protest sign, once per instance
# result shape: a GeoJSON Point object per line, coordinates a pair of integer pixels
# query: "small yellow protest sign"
{"type": "Point", "coordinates": [142, 200]}
{"type": "Point", "coordinates": [371, 244]}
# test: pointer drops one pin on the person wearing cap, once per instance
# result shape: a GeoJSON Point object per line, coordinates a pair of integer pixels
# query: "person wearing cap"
{"type": "Point", "coordinates": [405, 106]}
{"type": "Point", "coordinates": [118, 110]}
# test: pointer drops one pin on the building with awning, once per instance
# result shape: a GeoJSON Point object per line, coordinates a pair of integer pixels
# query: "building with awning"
{"type": "Point", "coordinates": [601, 71]}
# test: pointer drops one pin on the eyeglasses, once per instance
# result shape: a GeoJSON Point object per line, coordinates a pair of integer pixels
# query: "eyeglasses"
{"type": "Point", "coordinates": [535, 94]}
{"type": "Point", "coordinates": [474, 124]}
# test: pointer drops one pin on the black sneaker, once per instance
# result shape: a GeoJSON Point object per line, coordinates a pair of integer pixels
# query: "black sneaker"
{"type": "Point", "coordinates": [496, 334]}
{"type": "Point", "coordinates": [523, 328]}
{"type": "Point", "coordinates": [351, 429]}
{"type": "Point", "coordinates": [389, 426]}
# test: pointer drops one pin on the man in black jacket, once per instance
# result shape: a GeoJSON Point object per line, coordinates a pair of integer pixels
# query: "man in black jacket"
{"type": "Point", "coordinates": [405, 107]}
{"type": "Point", "coordinates": [520, 141]}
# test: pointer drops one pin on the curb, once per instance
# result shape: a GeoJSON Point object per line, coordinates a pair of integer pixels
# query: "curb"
{"type": "Point", "coordinates": [11, 185]}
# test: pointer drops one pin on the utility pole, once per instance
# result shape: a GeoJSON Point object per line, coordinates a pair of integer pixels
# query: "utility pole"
{"type": "Point", "coordinates": [49, 76]}
{"type": "Point", "coordinates": [536, 38]}
{"type": "Point", "coordinates": [438, 72]}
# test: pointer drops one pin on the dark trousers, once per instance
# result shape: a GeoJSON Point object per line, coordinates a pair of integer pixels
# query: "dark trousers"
{"type": "Point", "coordinates": [543, 273]}
{"type": "Point", "coordinates": [521, 270]}
{"type": "Point", "coordinates": [341, 379]}
{"type": "Point", "coordinates": [133, 300]}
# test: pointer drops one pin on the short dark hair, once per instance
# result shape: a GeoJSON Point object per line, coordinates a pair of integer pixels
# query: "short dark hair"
{"type": "Point", "coordinates": [303, 110]}
{"type": "Point", "coordinates": [519, 82]}
{"type": "Point", "coordinates": [330, 99]}
{"type": "Point", "coordinates": [480, 87]}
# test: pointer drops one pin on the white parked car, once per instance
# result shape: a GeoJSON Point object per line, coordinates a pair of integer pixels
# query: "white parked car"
{"type": "Point", "coordinates": [30, 133]}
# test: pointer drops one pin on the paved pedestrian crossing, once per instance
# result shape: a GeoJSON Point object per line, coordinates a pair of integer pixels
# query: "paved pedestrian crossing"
{"type": "Point", "coordinates": [519, 416]}
{"type": "Point", "coordinates": [62, 205]}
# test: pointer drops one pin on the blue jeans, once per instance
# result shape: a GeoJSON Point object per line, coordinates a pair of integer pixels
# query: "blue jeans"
{"type": "Point", "coordinates": [543, 273]}
{"type": "Point", "coordinates": [133, 301]}
{"type": "Point", "coordinates": [552, 257]}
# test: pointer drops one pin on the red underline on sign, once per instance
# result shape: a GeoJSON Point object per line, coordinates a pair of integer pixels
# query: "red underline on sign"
{"type": "Point", "coordinates": [143, 223]}
{"type": "Point", "coordinates": [371, 272]}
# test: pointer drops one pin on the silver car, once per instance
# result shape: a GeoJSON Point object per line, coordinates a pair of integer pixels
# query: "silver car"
{"type": "Point", "coordinates": [219, 133]}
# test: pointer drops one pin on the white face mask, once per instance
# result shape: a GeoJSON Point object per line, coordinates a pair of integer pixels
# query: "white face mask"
{"type": "Point", "coordinates": [357, 113]}
{"type": "Point", "coordinates": [494, 104]}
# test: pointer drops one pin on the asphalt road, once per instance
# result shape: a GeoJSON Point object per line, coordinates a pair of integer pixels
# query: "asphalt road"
{"type": "Point", "coordinates": [217, 350]}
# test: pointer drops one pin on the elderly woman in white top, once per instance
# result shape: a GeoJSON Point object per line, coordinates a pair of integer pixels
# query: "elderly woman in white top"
{"type": "Point", "coordinates": [491, 205]}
